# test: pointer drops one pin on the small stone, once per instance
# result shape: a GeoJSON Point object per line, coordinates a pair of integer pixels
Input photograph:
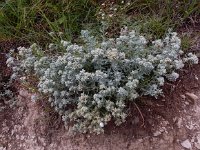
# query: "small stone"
{"type": "Point", "coordinates": [140, 140]}
{"type": "Point", "coordinates": [157, 133]}
{"type": "Point", "coordinates": [12, 132]}
{"type": "Point", "coordinates": [186, 144]}
{"type": "Point", "coordinates": [101, 124]}
{"type": "Point", "coordinates": [187, 103]}
{"type": "Point", "coordinates": [179, 122]}
{"type": "Point", "coordinates": [196, 77]}
{"type": "Point", "coordinates": [192, 96]}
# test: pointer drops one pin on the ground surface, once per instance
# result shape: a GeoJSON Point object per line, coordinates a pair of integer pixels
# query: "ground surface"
{"type": "Point", "coordinates": [168, 123]}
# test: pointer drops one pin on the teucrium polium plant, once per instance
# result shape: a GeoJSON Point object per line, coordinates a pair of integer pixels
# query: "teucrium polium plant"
{"type": "Point", "coordinates": [90, 83]}
{"type": "Point", "coordinates": [7, 97]}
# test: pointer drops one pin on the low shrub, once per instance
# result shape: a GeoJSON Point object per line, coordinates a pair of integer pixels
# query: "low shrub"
{"type": "Point", "coordinates": [91, 82]}
{"type": "Point", "coordinates": [7, 94]}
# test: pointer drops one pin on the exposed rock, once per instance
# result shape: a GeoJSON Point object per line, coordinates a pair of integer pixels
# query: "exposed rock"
{"type": "Point", "coordinates": [186, 144]}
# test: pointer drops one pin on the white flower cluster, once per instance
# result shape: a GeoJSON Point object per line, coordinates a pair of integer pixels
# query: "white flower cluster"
{"type": "Point", "coordinates": [90, 84]}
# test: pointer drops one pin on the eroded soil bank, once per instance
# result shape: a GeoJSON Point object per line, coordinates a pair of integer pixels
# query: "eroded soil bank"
{"type": "Point", "coordinates": [32, 126]}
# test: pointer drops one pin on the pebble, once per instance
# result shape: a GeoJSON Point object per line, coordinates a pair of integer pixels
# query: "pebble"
{"type": "Point", "coordinates": [179, 122]}
{"type": "Point", "coordinates": [196, 77]}
{"type": "Point", "coordinates": [186, 144]}
{"type": "Point", "coordinates": [157, 133]}
{"type": "Point", "coordinates": [192, 96]}
{"type": "Point", "coordinates": [101, 124]}
{"type": "Point", "coordinates": [187, 103]}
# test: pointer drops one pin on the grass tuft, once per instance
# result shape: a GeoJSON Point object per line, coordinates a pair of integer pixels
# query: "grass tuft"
{"type": "Point", "coordinates": [33, 19]}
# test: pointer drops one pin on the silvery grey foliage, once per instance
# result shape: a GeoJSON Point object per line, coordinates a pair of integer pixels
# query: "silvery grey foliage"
{"type": "Point", "coordinates": [90, 83]}
{"type": "Point", "coordinates": [7, 96]}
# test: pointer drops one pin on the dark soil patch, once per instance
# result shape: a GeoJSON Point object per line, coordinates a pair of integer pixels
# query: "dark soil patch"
{"type": "Point", "coordinates": [7, 45]}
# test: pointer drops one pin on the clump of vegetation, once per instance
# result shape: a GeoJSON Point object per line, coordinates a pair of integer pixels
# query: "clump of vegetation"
{"type": "Point", "coordinates": [31, 20]}
{"type": "Point", "coordinates": [90, 83]}
{"type": "Point", "coordinates": [152, 17]}
{"type": "Point", "coordinates": [7, 96]}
